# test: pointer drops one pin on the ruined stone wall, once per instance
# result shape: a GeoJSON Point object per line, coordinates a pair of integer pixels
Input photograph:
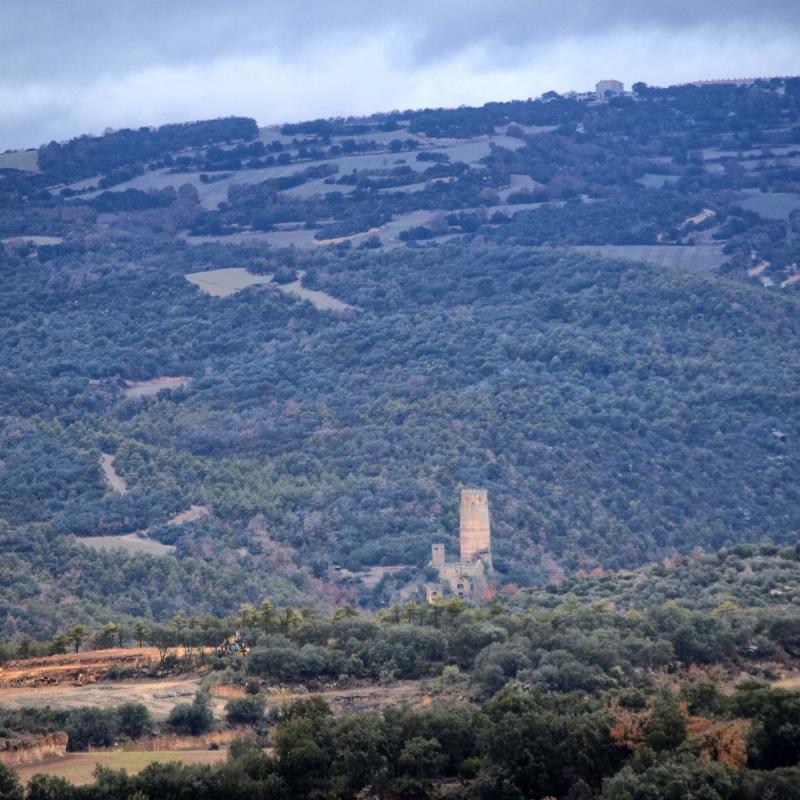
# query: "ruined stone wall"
{"type": "Point", "coordinates": [32, 748]}
{"type": "Point", "coordinates": [475, 526]}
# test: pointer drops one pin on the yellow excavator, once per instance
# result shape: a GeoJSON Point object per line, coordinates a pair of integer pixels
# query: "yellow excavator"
{"type": "Point", "coordinates": [233, 646]}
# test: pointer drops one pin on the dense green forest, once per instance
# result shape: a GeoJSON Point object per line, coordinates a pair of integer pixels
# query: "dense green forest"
{"type": "Point", "coordinates": [617, 411]}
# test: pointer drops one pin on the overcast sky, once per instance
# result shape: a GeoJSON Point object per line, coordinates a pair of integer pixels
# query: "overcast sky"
{"type": "Point", "coordinates": [78, 66]}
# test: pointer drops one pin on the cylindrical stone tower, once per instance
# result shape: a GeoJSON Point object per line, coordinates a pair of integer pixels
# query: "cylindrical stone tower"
{"type": "Point", "coordinates": [475, 528]}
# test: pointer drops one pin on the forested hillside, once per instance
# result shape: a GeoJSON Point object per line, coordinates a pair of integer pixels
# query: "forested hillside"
{"type": "Point", "coordinates": [589, 309]}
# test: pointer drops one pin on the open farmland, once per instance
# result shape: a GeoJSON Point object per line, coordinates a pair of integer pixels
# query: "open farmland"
{"type": "Point", "coordinates": [470, 151]}
{"type": "Point", "coordinates": [78, 768]}
{"type": "Point", "coordinates": [389, 233]}
{"type": "Point", "coordinates": [25, 160]}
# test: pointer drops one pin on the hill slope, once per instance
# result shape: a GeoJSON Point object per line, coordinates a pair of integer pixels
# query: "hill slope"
{"type": "Point", "coordinates": [326, 415]}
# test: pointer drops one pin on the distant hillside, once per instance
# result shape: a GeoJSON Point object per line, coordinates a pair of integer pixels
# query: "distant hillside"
{"type": "Point", "coordinates": [589, 309]}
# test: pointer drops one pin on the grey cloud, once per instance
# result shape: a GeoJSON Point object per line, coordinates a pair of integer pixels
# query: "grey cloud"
{"type": "Point", "coordinates": [74, 66]}
{"type": "Point", "coordinates": [112, 36]}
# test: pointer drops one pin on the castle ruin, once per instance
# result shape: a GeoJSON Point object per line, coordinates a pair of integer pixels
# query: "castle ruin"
{"type": "Point", "coordinates": [467, 577]}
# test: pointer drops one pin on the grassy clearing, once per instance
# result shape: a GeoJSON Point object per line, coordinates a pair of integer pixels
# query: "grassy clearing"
{"type": "Point", "coordinates": [772, 205]}
{"type": "Point", "coordinates": [131, 543]}
{"type": "Point", "coordinates": [78, 767]}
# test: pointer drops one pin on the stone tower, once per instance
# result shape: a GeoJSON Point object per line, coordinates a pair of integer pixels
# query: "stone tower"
{"type": "Point", "coordinates": [476, 536]}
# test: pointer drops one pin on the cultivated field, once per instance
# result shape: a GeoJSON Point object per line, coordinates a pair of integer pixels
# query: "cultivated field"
{"type": "Point", "coordinates": [78, 768]}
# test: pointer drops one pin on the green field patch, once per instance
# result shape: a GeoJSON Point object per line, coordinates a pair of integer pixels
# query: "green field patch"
{"type": "Point", "coordinates": [78, 768]}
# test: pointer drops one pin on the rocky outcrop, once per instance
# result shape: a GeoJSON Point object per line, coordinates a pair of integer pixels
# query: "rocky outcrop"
{"type": "Point", "coordinates": [32, 748]}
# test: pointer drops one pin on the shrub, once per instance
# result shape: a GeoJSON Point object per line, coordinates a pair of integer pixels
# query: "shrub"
{"type": "Point", "coordinates": [10, 786]}
{"type": "Point", "coordinates": [192, 718]}
{"type": "Point", "coordinates": [245, 710]}
{"type": "Point", "coordinates": [134, 720]}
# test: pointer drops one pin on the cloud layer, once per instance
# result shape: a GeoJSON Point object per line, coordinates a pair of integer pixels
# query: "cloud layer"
{"type": "Point", "coordinates": [89, 64]}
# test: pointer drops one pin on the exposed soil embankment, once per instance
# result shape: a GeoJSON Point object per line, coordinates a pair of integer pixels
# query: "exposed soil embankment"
{"type": "Point", "coordinates": [32, 749]}
{"type": "Point", "coordinates": [74, 668]}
